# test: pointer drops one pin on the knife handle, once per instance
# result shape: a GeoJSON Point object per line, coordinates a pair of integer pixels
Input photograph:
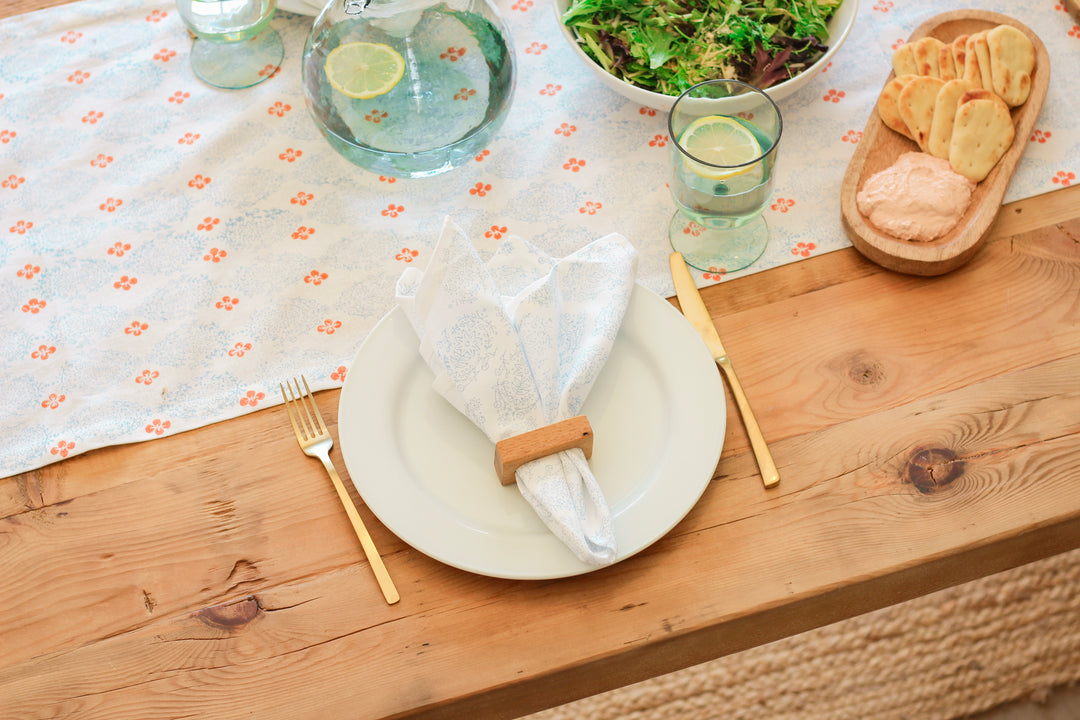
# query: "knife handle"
{"type": "Point", "coordinates": [769, 474]}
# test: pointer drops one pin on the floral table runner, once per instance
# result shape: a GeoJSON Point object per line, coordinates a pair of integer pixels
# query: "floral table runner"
{"type": "Point", "coordinates": [172, 251]}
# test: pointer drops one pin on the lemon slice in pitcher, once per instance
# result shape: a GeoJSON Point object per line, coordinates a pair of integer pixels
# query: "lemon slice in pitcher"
{"type": "Point", "coordinates": [364, 70]}
{"type": "Point", "coordinates": [719, 140]}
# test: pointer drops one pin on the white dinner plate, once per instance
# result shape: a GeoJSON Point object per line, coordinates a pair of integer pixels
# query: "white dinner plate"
{"type": "Point", "coordinates": [658, 416]}
{"type": "Point", "coordinates": [301, 7]}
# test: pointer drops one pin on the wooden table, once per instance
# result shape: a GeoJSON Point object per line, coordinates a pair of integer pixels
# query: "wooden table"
{"type": "Point", "coordinates": [927, 431]}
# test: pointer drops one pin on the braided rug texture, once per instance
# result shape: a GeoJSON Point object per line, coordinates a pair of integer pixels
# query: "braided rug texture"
{"type": "Point", "coordinates": [1010, 636]}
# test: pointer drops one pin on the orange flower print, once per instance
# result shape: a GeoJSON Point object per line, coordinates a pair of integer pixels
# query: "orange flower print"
{"type": "Point", "coordinates": [158, 427]}
{"type": "Point", "coordinates": [43, 352]}
{"type": "Point", "coordinates": [550, 89]}
{"type": "Point", "coordinates": [393, 210]}
{"type": "Point", "coordinates": [157, 16]}
{"type": "Point", "coordinates": [833, 96]}
{"type": "Point", "coordinates": [21, 227]}
{"type": "Point", "coordinates": [648, 112]}
{"type": "Point", "coordinates": [482, 154]}
{"type": "Point", "coordinates": [102, 160]}
{"type": "Point", "coordinates": [198, 182]}
{"type": "Point", "coordinates": [329, 326]}
{"type": "Point", "coordinates": [852, 136]}
{"type": "Point", "coordinates": [147, 377]}
{"type": "Point", "coordinates": [658, 141]}
{"type": "Point", "coordinates": [464, 94]}
{"type": "Point", "coordinates": [714, 274]}
{"type": "Point", "coordinates": [7, 136]}
{"type": "Point", "coordinates": [239, 349]}
{"type": "Point", "coordinates": [783, 205]}
{"type": "Point", "coordinates": [70, 37]}
{"type": "Point", "coordinates": [566, 129]}
{"type": "Point", "coordinates": [803, 249]}
{"type": "Point", "coordinates": [78, 77]}
{"type": "Point", "coordinates": [92, 117]}
{"type": "Point", "coordinates": [290, 155]}
{"type": "Point", "coordinates": [34, 306]}
{"type": "Point", "coordinates": [53, 401]}
{"type": "Point", "coordinates": [209, 223]}
{"type": "Point", "coordinates": [279, 108]}
{"type": "Point", "coordinates": [269, 70]}
{"type": "Point", "coordinates": [496, 232]}
{"type": "Point", "coordinates": [164, 54]}
{"type": "Point", "coordinates": [386, 179]}
{"type": "Point", "coordinates": [693, 228]}
{"type": "Point", "coordinates": [252, 398]}
{"type": "Point", "coordinates": [136, 328]}
{"type": "Point", "coordinates": [12, 182]}
{"type": "Point", "coordinates": [62, 448]}
{"type": "Point", "coordinates": [179, 97]}
{"type": "Point", "coordinates": [1040, 136]}
{"type": "Point", "coordinates": [522, 5]}
{"type": "Point", "coordinates": [452, 54]}
{"type": "Point", "coordinates": [590, 208]}
{"type": "Point", "coordinates": [303, 232]}
{"type": "Point", "coordinates": [29, 271]}
{"type": "Point", "coordinates": [407, 255]}
{"type": "Point", "coordinates": [339, 374]}
{"type": "Point", "coordinates": [883, 6]}
{"type": "Point", "coordinates": [110, 204]}
{"type": "Point", "coordinates": [302, 198]}
{"type": "Point", "coordinates": [315, 277]}
{"type": "Point", "coordinates": [119, 249]}
{"type": "Point", "coordinates": [1063, 178]}
{"type": "Point", "coordinates": [227, 303]}
{"type": "Point", "coordinates": [125, 282]}
{"type": "Point", "coordinates": [574, 165]}
{"type": "Point", "coordinates": [188, 139]}
{"type": "Point", "coordinates": [536, 48]}
{"type": "Point", "coordinates": [215, 255]}
{"type": "Point", "coordinates": [480, 189]}
{"type": "Point", "coordinates": [376, 116]}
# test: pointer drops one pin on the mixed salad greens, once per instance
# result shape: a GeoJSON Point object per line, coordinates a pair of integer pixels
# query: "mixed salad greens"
{"type": "Point", "coordinates": [668, 45]}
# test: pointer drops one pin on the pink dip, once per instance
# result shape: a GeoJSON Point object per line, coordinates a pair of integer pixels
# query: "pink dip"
{"type": "Point", "coordinates": [919, 198]}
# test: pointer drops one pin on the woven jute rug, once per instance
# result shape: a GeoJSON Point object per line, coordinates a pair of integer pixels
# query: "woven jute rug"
{"type": "Point", "coordinates": [1010, 636]}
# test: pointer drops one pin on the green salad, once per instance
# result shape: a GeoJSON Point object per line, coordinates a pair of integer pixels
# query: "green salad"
{"type": "Point", "coordinates": [668, 45]}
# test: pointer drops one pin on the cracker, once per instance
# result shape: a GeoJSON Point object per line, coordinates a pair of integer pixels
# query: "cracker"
{"type": "Point", "coordinates": [1012, 58]}
{"type": "Point", "coordinates": [916, 106]}
{"type": "Point", "coordinates": [946, 63]}
{"type": "Point", "coordinates": [982, 51]}
{"type": "Point", "coordinates": [958, 52]}
{"type": "Point", "coordinates": [941, 127]}
{"type": "Point", "coordinates": [888, 107]}
{"type": "Point", "coordinates": [926, 56]}
{"type": "Point", "coordinates": [972, 72]}
{"type": "Point", "coordinates": [982, 133]}
{"type": "Point", "coordinates": [903, 60]}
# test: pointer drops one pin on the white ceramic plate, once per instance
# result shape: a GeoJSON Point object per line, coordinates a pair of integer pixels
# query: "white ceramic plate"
{"type": "Point", "coordinates": [301, 7]}
{"type": "Point", "coordinates": [658, 416]}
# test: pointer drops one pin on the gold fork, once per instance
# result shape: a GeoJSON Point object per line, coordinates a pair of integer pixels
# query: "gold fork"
{"type": "Point", "coordinates": [316, 442]}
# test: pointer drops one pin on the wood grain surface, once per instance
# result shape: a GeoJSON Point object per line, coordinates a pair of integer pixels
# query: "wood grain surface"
{"type": "Point", "coordinates": [927, 431]}
{"type": "Point", "coordinates": [880, 146]}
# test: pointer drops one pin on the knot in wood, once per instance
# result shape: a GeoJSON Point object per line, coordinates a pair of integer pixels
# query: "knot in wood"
{"type": "Point", "coordinates": [866, 370]}
{"type": "Point", "coordinates": [932, 469]}
{"type": "Point", "coordinates": [231, 615]}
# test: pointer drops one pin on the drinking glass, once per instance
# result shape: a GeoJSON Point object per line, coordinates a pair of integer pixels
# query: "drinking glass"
{"type": "Point", "coordinates": [408, 88]}
{"type": "Point", "coordinates": [234, 46]}
{"type": "Point", "coordinates": [724, 135]}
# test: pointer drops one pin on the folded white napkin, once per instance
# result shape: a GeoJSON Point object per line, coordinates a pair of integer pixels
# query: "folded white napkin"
{"type": "Point", "coordinates": [515, 344]}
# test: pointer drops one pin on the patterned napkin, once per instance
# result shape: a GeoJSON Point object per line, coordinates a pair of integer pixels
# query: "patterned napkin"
{"type": "Point", "coordinates": [515, 344]}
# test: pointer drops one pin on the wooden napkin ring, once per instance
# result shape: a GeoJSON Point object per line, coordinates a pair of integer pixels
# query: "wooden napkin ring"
{"type": "Point", "coordinates": [513, 452]}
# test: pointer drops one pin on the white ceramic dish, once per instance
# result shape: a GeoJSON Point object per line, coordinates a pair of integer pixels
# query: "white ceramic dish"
{"type": "Point", "coordinates": [658, 416]}
{"type": "Point", "coordinates": [839, 27]}
{"type": "Point", "coordinates": [300, 7]}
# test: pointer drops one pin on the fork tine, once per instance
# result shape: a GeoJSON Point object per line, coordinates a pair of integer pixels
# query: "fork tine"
{"type": "Point", "coordinates": [305, 402]}
{"type": "Point", "coordinates": [295, 416]}
{"type": "Point", "coordinates": [315, 407]}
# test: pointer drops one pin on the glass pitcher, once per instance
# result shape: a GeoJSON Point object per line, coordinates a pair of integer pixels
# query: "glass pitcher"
{"type": "Point", "coordinates": [408, 88]}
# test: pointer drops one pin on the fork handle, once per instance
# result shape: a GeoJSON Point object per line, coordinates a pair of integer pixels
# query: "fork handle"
{"type": "Point", "coordinates": [389, 591]}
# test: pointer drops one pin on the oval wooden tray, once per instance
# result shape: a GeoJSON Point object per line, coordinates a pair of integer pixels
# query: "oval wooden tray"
{"type": "Point", "coordinates": [880, 146]}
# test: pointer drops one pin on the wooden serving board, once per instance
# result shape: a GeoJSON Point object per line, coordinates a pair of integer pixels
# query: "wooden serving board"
{"type": "Point", "coordinates": [880, 146]}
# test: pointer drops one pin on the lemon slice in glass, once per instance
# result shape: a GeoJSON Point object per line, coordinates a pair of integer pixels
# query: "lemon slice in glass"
{"type": "Point", "coordinates": [719, 140]}
{"type": "Point", "coordinates": [364, 70]}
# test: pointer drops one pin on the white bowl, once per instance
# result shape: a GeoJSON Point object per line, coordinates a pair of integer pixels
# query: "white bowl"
{"type": "Point", "coordinates": [839, 27]}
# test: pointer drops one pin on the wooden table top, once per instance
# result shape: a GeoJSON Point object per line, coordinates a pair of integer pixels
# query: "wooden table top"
{"type": "Point", "coordinates": [927, 432]}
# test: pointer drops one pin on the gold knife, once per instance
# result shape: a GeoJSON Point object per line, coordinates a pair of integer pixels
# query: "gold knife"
{"type": "Point", "coordinates": [694, 309]}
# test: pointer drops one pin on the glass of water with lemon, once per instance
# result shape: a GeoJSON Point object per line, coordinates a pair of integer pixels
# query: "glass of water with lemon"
{"type": "Point", "coordinates": [234, 46]}
{"type": "Point", "coordinates": [724, 137]}
{"type": "Point", "coordinates": [408, 88]}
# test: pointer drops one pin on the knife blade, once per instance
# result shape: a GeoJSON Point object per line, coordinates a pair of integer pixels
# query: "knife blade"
{"type": "Point", "coordinates": [693, 307]}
